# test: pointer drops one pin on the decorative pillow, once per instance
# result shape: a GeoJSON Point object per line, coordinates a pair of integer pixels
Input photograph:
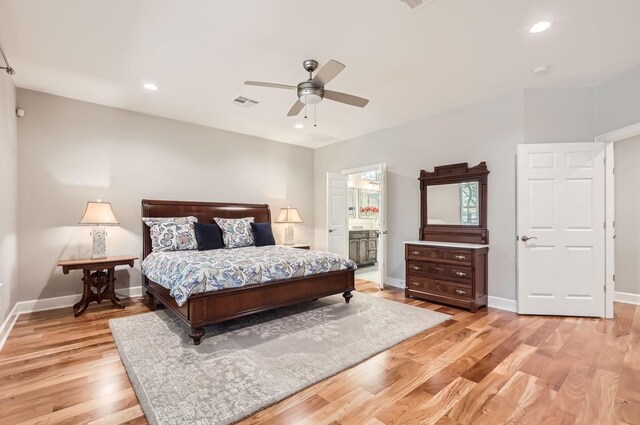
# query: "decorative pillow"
{"type": "Point", "coordinates": [236, 232]}
{"type": "Point", "coordinates": [172, 233]}
{"type": "Point", "coordinates": [209, 236]}
{"type": "Point", "coordinates": [263, 234]}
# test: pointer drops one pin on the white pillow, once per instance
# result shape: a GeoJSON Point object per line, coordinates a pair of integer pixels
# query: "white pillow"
{"type": "Point", "coordinates": [172, 233]}
{"type": "Point", "coordinates": [236, 232]}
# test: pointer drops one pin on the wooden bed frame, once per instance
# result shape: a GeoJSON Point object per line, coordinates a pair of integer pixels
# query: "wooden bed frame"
{"type": "Point", "coordinates": [212, 307]}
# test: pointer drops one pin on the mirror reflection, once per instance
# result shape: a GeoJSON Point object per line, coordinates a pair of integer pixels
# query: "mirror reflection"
{"type": "Point", "coordinates": [453, 204]}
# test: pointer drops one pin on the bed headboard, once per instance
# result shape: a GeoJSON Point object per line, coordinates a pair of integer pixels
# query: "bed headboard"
{"type": "Point", "coordinates": [204, 211]}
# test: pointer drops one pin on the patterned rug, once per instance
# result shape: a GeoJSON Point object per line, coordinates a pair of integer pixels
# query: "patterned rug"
{"type": "Point", "coordinates": [247, 364]}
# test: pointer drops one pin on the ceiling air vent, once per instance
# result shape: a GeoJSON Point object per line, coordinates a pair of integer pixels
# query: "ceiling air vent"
{"type": "Point", "coordinates": [245, 102]}
{"type": "Point", "coordinates": [416, 4]}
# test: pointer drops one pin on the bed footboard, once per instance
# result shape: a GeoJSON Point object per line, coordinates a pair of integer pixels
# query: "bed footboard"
{"type": "Point", "coordinates": [207, 308]}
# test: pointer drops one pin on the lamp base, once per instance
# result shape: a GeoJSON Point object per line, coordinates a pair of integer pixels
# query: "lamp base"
{"type": "Point", "coordinates": [288, 234]}
{"type": "Point", "coordinates": [99, 249]}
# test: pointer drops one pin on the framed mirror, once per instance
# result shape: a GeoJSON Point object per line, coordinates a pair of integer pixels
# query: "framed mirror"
{"type": "Point", "coordinates": [454, 203]}
{"type": "Point", "coordinates": [352, 203]}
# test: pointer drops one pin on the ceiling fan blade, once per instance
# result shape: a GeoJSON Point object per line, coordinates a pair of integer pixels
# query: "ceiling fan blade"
{"type": "Point", "coordinates": [327, 73]}
{"type": "Point", "coordinates": [349, 99]}
{"type": "Point", "coordinates": [295, 109]}
{"type": "Point", "coordinates": [272, 85]}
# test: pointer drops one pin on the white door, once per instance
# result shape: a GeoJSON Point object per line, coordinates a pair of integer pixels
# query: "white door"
{"type": "Point", "coordinates": [561, 255]}
{"type": "Point", "coordinates": [337, 214]}
{"type": "Point", "coordinates": [382, 216]}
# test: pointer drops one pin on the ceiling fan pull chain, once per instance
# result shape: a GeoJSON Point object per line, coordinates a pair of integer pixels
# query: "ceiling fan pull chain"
{"type": "Point", "coordinates": [305, 106]}
{"type": "Point", "coordinates": [315, 115]}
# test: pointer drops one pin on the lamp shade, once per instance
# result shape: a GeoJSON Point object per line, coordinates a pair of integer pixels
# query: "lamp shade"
{"type": "Point", "coordinates": [98, 213]}
{"type": "Point", "coordinates": [289, 215]}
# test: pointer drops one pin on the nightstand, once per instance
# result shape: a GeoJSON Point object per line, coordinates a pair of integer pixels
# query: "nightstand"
{"type": "Point", "coordinates": [298, 246]}
{"type": "Point", "coordinates": [98, 279]}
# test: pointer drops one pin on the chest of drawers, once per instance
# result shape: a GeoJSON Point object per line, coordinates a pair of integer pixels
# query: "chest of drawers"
{"type": "Point", "coordinates": [448, 273]}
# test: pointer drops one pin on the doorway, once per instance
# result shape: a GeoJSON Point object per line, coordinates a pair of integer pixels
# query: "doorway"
{"type": "Point", "coordinates": [357, 225]}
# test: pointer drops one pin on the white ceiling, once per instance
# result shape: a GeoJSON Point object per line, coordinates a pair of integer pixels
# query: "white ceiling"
{"type": "Point", "coordinates": [409, 63]}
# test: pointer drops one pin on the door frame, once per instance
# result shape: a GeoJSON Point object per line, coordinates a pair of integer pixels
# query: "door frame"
{"type": "Point", "coordinates": [609, 139]}
{"type": "Point", "coordinates": [382, 248]}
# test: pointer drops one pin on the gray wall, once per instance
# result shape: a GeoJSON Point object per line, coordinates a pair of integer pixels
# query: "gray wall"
{"type": "Point", "coordinates": [617, 102]}
{"type": "Point", "coordinates": [8, 196]}
{"type": "Point", "coordinates": [72, 151]}
{"type": "Point", "coordinates": [627, 206]}
{"type": "Point", "coordinates": [488, 131]}
{"type": "Point", "coordinates": [559, 115]}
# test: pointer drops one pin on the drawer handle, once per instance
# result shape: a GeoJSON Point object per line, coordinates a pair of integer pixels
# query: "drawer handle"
{"type": "Point", "coordinates": [415, 252]}
{"type": "Point", "coordinates": [416, 268]}
{"type": "Point", "coordinates": [460, 257]}
{"type": "Point", "coordinates": [415, 283]}
{"type": "Point", "coordinates": [461, 274]}
{"type": "Point", "coordinates": [460, 292]}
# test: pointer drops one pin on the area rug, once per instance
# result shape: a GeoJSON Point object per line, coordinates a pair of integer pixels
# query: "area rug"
{"type": "Point", "coordinates": [247, 364]}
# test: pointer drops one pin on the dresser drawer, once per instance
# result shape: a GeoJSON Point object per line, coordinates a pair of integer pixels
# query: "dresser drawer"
{"type": "Point", "coordinates": [437, 286]}
{"type": "Point", "coordinates": [418, 252]}
{"type": "Point", "coordinates": [463, 274]}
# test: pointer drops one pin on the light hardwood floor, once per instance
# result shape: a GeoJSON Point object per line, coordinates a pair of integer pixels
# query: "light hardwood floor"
{"type": "Point", "coordinates": [492, 367]}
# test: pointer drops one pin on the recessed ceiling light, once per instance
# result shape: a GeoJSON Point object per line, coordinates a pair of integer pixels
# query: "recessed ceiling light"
{"type": "Point", "coordinates": [541, 26]}
{"type": "Point", "coordinates": [150, 86]}
{"type": "Point", "coordinates": [299, 126]}
{"type": "Point", "coordinates": [541, 70]}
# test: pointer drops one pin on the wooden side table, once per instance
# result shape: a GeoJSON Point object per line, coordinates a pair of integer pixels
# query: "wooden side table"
{"type": "Point", "coordinates": [98, 279]}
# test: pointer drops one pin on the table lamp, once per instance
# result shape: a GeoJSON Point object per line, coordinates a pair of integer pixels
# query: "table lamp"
{"type": "Point", "coordinates": [289, 216]}
{"type": "Point", "coordinates": [99, 214]}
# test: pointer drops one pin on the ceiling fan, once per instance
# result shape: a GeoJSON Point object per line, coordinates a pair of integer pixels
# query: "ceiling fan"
{"type": "Point", "coordinates": [312, 91]}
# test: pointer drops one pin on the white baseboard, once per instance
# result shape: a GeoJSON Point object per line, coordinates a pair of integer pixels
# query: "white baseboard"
{"type": "Point", "coordinates": [494, 302]}
{"type": "Point", "coordinates": [7, 325]}
{"type": "Point", "coordinates": [33, 306]}
{"type": "Point", "coordinates": [392, 281]}
{"type": "Point", "coordinates": [627, 297]}
{"type": "Point", "coordinates": [131, 292]}
{"type": "Point", "coordinates": [502, 303]}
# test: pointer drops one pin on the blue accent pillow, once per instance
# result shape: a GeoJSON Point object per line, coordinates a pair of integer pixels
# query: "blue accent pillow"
{"type": "Point", "coordinates": [263, 234]}
{"type": "Point", "coordinates": [208, 236]}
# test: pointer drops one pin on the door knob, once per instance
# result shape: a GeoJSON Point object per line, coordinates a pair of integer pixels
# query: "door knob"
{"type": "Point", "coordinates": [526, 238]}
{"type": "Point", "coordinates": [332, 230]}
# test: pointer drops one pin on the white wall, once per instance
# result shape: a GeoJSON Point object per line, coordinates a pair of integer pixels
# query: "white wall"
{"type": "Point", "coordinates": [8, 196]}
{"type": "Point", "coordinates": [72, 151]}
{"type": "Point", "coordinates": [627, 208]}
{"type": "Point", "coordinates": [488, 131]}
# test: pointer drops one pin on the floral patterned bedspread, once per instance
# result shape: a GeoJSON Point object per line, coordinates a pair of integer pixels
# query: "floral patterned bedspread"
{"type": "Point", "coordinates": [191, 272]}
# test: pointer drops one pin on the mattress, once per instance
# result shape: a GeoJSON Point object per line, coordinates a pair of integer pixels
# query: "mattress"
{"type": "Point", "coordinates": [185, 273]}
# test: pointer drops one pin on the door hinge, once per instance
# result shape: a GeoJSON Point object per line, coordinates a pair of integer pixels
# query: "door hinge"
{"type": "Point", "coordinates": [614, 277]}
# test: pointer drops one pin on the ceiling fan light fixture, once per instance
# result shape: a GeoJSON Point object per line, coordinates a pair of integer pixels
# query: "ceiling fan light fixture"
{"type": "Point", "coordinates": [310, 99]}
